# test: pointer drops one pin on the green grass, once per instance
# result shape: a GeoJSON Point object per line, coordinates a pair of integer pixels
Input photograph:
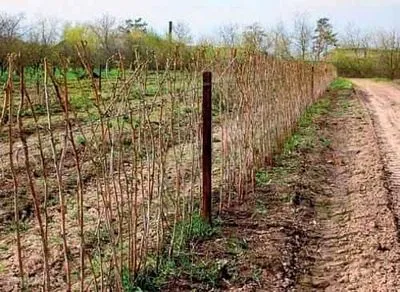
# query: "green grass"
{"type": "Point", "coordinates": [182, 263]}
{"type": "Point", "coordinates": [341, 84]}
{"type": "Point", "coordinates": [81, 102]}
{"type": "Point", "coordinates": [305, 136]}
{"type": "Point", "coordinates": [263, 178]}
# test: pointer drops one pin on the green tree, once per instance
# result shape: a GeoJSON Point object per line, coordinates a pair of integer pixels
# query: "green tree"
{"type": "Point", "coordinates": [131, 25]}
{"type": "Point", "coordinates": [75, 35]}
{"type": "Point", "coordinates": [255, 38]}
{"type": "Point", "coordinates": [324, 38]}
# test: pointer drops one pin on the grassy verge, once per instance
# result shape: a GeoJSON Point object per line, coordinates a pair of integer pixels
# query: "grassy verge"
{"type": "Point", "coordinates": [306, 136]}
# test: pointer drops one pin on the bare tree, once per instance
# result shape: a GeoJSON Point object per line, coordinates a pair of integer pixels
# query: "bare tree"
{"type": "Point", "coordinates": [182, 32]}
{"type": "Point", "coordinates": [302, 36]}
{"type": "Point", "coordinates": [10, 30]}
{"type": "Point", "coordinates": [358, 41]}
{"type": "Point", "coordinates": [255, 37]}
{"type": "Point", "coordinates": [230, 35]}
{"type": "Point", "coordinates": [352, 39]}
{"type": "Point", "coordinates": [45, 31]}
{"type": "Point", "coordinates": [281, 42]}
{"type": "Point", "coordinates": [105, 29]}
{"type": "Point", "coordinates": [206, 40]}
{"type": "Point", "coordinates": [389, 44]}
{"type": "Point", "coordinates": [366, 42]}
{"type": "Point", "coordinates": [10, 25]}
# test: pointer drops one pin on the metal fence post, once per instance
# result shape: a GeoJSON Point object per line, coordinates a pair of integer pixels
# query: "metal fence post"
{"type": "Point", "coordinates": [312, 82]}
{"type": "Point", "coordinates": [207, 147]}
{"type": "Point", "coordinates": [100, 72]}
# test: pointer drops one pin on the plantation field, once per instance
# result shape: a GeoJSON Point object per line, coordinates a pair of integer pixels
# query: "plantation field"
{"type": "Point", "coordinates": [102, 185]}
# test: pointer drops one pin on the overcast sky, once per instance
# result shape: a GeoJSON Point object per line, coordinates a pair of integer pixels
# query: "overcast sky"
{"type": "Point", "coordinates": [205, 16]}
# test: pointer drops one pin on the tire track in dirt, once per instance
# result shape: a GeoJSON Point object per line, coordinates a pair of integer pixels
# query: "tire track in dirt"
{"type": "Point", "coordinates": [382, 100]}
{"type": "Point", "coordinates": [357, 247]}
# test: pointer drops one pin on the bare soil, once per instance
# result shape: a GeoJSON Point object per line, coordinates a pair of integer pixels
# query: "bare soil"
{"type": "Point", "coordinates": [356, 246]}
{"type": "Point", "coordinates": [382, 99]}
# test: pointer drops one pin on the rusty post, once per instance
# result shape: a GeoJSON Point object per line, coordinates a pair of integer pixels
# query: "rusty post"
{"type": "Point", "coordinates": [312, 82]}
{"type": "Point", "coordinates": [170, 29]}
{"type": "Point", "coordinates": [100, 72]}
{"type": "Point", "coordinates": [207, 147]}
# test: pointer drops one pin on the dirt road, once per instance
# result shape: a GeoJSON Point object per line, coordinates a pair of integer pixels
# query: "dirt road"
{"type": "Point", "coordinates": [383, 102]}
{"type": "Point", "coordinates": [358, 248]}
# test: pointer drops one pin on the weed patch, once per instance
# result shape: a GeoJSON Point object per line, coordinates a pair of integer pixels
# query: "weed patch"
{"type": "Point", "coordinates": [341, 84]}
{"type": "Point", "coordinates": [262, 178]}
{"type": "Point", "coordinates": [306, 135]}
{"type": "Point", "coordinates": [178, 260]}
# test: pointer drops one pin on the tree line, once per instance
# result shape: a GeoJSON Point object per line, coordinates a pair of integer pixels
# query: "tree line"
{"type": "Point", "coordinates": [368, 53]}
{"type": "Point", "coordinates": [134, 38]}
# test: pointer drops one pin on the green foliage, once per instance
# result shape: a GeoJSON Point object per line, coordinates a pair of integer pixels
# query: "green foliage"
{"type": "Point", "coordinates": [152, 278]}
{"type": "Point", "coordinates": [292, 143]}
{"type": "Point", "coordinates": [38, 109]}
{"type": "Point", "coordinates": [262, 178]}
{"type": "Point", "coordinates": [325, 142]}
{"type": "Point", "coordinates": [182, 263]}
{"type": "Point", "coordinates": [324, 37]}
{"type": "Point", "coordinates": [366, 63]}
{"type": "Point", "coordinates": [128, 283]}
{"type": "Point", "coordinates": [237, 245]}
{"type": "Point", "coordinates": [80, 140]}
{"type": "Point", "coordinates": [12, 227]}
{"type": "Point", "coordinates": [254, 38]}
{"type": "Point", "coordinates": [316, 110]}
{"type": "Point", "coordinates": [191, 230]}
{"type": "Point", "coordinates": [380, 79]}
{"type": "Point", "coordinates": [74, 35]}
{"type": "Point", "coordinates": [341, 84]}
{"type": "Point", "coordinates": [81, 102]}
{"type": "Point", "coordinates": [305, 136]}
{"type": "Point", "coordinates": [218, 103]}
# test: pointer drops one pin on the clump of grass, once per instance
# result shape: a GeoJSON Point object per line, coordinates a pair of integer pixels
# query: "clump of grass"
{"type": "Point", "coordinates": [341, 84]}
{"type": "Point", "coordinates": [316, 110]}
{"type": "Point", "coordinates": [305, 137]}
{"type": "Point", "coordinates": [81, 140]}
{"type": "Point", "coordinates": [81, 102]}
{"type": "Point", "coordinates": [325, 141]}
{"type": "Point", "coordinates": [182, 263]}
{"type": "Point", "coordinates": [263, 178]}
